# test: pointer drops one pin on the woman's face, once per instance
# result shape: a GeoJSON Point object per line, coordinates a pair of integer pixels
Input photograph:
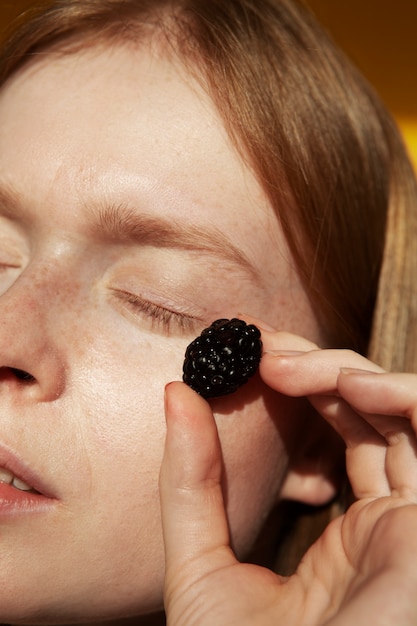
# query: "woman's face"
{"type": "Point", "coordinates": [128, 222]}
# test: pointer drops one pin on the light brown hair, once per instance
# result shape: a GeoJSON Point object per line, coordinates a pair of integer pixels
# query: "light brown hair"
{"type": "Point", "coordinates": [323, 147]}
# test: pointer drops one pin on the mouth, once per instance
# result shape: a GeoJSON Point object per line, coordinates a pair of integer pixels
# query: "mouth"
{"type": "Point", "coordinates": [20, 495]}
{"type": "Point", "coordinates": [22, 490]}
{"type": "Point", "coordinates": [7, 478]}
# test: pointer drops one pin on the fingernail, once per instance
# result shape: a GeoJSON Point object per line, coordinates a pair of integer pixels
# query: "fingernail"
{"type": "Point", "coordinates": [284, 352]}
{"type": "Point", "coordinates": [353, 370]}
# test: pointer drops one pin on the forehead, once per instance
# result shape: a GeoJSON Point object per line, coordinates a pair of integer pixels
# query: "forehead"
{"type": "Point", "coordinates": [132, 108]}
{"type": "Point", "coordinates": [131, 104]}
{"type": "Point", "coordinates": [121, 121]}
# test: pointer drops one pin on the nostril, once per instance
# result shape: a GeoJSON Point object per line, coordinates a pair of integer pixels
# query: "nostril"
{"type": "Point", "coordinates": [22, 375]}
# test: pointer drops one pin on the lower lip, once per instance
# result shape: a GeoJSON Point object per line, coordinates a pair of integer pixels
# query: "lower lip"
{"type": "Point", "coordinates": [15, 501]}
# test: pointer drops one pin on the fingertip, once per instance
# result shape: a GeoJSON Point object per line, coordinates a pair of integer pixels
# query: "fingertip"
{"type": "Point", "coordinates": [179, 398]}
{"type": "Point", "coordinates": [351, 378]}
{"type": "Point", "coordinates": [191, 427]}
{"type": "Point", "coordinates": [169, 396]}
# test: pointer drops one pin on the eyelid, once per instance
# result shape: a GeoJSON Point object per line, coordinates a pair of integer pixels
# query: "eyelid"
{"type": "Point", "coordinates": [10, 254]}
{"type": "Point", "coordinates": [6, 265]}
{"type": "Point", "coordinates": [14, 248]}
{"type": "Point", "coordinates": [161, 316]}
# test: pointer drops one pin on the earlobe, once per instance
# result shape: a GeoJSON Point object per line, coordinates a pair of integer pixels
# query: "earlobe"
{"type": "Point", "coordinates": [317, 469]}
{"type": "Point", "coordinates": [308, 488]}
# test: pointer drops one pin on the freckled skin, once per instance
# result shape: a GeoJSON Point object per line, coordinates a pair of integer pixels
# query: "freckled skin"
{"type": "Point", "coordinates": [92, 424]}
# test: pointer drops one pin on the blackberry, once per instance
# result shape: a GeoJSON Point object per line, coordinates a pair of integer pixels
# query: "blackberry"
{"type": "Point", "coordinates": [222, 358]}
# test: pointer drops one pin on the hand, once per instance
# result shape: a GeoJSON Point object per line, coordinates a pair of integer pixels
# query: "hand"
{"type": "Point", "coordinates": [363, 566]}
{"type": "Point", "coordinates": [373, 568]}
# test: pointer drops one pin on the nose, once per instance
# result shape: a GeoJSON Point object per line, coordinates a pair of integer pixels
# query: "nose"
{"type": "Point", "coordinates": [31, 364]}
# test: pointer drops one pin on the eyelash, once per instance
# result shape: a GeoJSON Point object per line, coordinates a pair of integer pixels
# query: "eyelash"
{"type": "Point", "coordinates": [161, 317]}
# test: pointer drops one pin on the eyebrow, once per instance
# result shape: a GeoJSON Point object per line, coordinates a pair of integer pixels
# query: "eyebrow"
{"type": "Point", "coordinates": [123, 224]}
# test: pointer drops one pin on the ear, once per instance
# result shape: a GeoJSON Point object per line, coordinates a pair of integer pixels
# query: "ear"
{"type": "Point", "coordinates": [317, 467]}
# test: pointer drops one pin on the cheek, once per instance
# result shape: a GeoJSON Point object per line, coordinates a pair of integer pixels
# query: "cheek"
{"type": "Point", "coordinates": [124, 394]}
{"type": "Point", "coordinates": [124, 429]}
{"type": "Point", "coordinates": [120, 399]}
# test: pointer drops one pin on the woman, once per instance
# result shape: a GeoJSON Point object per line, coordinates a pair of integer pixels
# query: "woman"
{"type": "Point", "coordinates": [164, 164]}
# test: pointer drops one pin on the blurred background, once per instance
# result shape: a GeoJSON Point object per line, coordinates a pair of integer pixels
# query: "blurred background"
{"type": "Point", "coordinates": [381, 38]}
{"type": "Point", "coordinates": [379, 35]}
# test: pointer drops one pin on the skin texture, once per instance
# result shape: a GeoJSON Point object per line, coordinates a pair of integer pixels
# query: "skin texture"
{"type": "Point", "coordinates": [83, 311]}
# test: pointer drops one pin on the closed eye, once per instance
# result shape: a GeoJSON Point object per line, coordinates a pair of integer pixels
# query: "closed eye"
{"type": "Point", "coordinates": [162, 318]}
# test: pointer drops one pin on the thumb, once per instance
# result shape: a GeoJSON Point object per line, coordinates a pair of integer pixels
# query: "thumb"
{"type": "Point", "coordinates": [194, 520]}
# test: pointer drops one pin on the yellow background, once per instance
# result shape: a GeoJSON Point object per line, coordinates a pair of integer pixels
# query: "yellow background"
{"type": "Point", "coordinates": [379, 35]}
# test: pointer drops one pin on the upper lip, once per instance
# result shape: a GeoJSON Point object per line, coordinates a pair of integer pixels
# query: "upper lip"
{"type": "Point", "coordinates": [10, 479]}
{"type": "Point", "coordinates": [12, 463]}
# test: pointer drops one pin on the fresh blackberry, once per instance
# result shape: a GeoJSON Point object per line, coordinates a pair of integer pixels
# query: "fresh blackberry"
{"type": "Point", "coordinates": [222, 358]}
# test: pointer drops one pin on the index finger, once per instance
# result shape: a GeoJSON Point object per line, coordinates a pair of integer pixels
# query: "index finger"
{"type": "Point", "coordinates": [387, 393]}
{"type": "Point", "coordinates": [315, 372]}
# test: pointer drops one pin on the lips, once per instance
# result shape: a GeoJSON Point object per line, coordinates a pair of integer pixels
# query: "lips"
{"type": "Point", "coordinates": [8, 478]}
{"type": "Point", "coordinates": [22, 492]}
{"type": "Point", "coordinates": [17, 476]}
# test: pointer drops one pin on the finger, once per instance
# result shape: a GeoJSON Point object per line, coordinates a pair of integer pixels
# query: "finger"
{"type": "Point", "coordinates": [366, 449]}
{"type": "Point", "coordinates": [388, 402]}
{"type": "Point", "coordinates": [193, 515]}
{"type": "Point", "coordinates": [381, 451]}
{"type": "Point", "coordinates": [387, 394]}
{"type": "Point", "coordinates": [315, 372]}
